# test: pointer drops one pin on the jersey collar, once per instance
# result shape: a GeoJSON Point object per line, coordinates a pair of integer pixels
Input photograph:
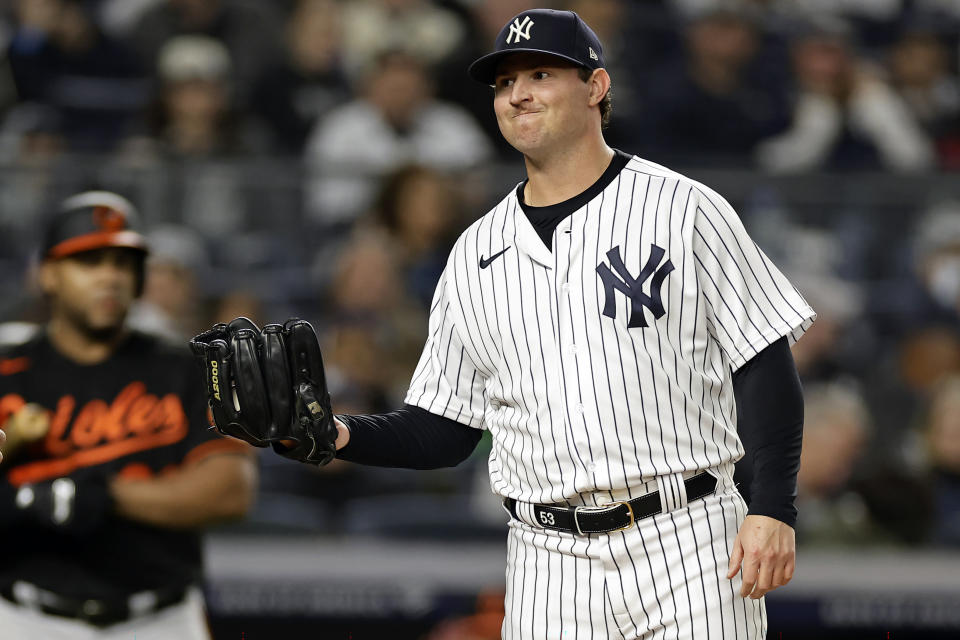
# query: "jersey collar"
{"type": "Point", "coordinates": [526, 237]}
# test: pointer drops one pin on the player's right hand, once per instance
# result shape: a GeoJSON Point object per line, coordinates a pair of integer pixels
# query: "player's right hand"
{"type": "Point", "coordinates": [269, 387]}
{"type": "Point", "coordinates": [27, 425]}
{"type": "Point", "coordinates": [765, 549]}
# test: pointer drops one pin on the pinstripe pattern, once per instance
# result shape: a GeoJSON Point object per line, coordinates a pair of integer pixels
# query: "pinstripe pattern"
{"type": "Point", "coordinates": [576, 401]}
{"type": "Point", "coordinates": [663, 579]}
{"type": "Point", "coordinates": [582, 407]}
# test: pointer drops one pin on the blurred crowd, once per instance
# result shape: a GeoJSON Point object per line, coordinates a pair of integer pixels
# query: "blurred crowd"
{"type": "Point", "coordinates": [318, 157]}
{"type": "Point", "coordinates": [860, 84]}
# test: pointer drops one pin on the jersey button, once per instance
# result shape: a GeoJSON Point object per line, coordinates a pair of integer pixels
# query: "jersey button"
{"type": "Point", "coordinates": [581, 408]}
{"type": "Point", "coordinates": [573, 348]}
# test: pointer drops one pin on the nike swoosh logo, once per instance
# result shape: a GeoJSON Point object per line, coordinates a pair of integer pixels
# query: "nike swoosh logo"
{"type": "Point", "coordinates": [484, 263]}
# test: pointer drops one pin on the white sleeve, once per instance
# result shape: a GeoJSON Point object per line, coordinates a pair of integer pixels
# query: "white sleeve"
{"type": "Point", "coordinates": [446, 381]}
{"type": "Point", "coordinates": [749, 303]}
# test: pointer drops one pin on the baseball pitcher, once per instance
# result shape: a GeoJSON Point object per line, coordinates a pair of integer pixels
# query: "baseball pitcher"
{"type": "Point", "coordinates": [624, 341]}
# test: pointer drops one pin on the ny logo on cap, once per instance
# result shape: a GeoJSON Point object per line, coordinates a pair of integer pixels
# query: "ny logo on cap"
{"type": "Point", "coordinates": [519, 30]}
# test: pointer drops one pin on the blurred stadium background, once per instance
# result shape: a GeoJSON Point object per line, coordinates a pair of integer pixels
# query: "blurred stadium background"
{"type": "Point", "coordinates": [317, 158]}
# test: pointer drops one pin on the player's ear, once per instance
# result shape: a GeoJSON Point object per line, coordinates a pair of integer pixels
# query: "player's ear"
{"type": "Point", "coordinates": [599, 84]}
{"type": "Point", "coordinates": [47, 276]}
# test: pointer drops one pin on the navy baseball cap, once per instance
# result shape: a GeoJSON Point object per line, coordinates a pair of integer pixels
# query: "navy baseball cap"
{"type": "Point", "coordinates": [557, 33]}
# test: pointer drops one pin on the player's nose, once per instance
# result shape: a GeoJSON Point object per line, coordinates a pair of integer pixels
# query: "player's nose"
{"type": "Point", "coordinates": [519, 92]}
{"type": "Point", "coordinates": [111, 272]}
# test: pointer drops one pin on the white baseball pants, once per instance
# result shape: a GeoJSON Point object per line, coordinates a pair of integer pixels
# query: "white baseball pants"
{"type": "Point", "coordinates": [665, 577]}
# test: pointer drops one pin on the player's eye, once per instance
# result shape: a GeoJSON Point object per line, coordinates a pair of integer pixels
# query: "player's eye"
{"type": "Point", "coordinates": [87, 258]}
{"type": "Point", "coordinates": [502, 83]}
{"type": "Point", "coordinates": [540, 75]}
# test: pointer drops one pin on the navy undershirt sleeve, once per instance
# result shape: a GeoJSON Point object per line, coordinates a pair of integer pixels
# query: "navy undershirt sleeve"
{"type": "Point", "coordinates": [770, 424]}
{"type": "Point", "coordinates": [410, 438]}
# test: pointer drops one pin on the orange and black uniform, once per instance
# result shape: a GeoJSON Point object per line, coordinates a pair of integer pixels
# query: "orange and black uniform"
{"type": "Point", "coordinates": [141, 413]}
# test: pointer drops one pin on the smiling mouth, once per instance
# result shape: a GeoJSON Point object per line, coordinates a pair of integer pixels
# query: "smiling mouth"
{"type": "Point", "coordinates": [526, 113]}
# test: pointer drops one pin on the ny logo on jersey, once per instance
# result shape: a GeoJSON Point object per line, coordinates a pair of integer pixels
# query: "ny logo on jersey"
{"type": "Point", "coordinates": [519, 30]}
{"type": "Point", "coordinates": [632, 287]}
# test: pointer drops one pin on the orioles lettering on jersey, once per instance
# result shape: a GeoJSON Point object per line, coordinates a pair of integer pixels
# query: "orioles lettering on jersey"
{"type": "Point", "coordinates": [10, 366]}
{"type": "Point", "coordinates": [99, 432]}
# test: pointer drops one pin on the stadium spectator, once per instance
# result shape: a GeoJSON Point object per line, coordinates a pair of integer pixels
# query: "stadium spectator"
{"type": "Point", "coordinates": [920, 319]}
{"type": "Point", "coordinates": [906, 373]}
{"type": "Point", "coordinates": [419, 209]}
{"type": "Point", "coordinates": [942, 432]}
{"type": "Point", "coordinates": [929, 292]}
{"type": "Point", "coordinates": [120, 17]}
{"type": "Point", "coordinates": [237, 303]}
{"type": "Point", "coordinates": [60, 59]}
{"type": "Point", "coordinates": [836, 349]}
{"type": "Point", "coordinates": [418, 27]}
{"type": "Point", "coordinates": [250, 30]}
{"type": "Point", "coordinates": [297, 91]}
{"type": "Point", "coordinates": [845, 114]}
{"type": "Point", "coordinates": [716, 104]}
{"type": "Point", "coordinates": [194, 115]}
{"type": "Point", "coordinates": [172, 299]}
{"type": "Point", "coordinates": [193, 127]}
{"type": "Point", "coordinates": [31, 135]}
{"type": "Point", "coordinates": [938, 258]}
{"type": "Point", "coordinates": [836, 431]}
{"type": "Point", "coordinates": [920, 71]}
{"type": "Point", "coordinates": [395, 121]}
{"type": "Point", "coordinates": [376, 329]}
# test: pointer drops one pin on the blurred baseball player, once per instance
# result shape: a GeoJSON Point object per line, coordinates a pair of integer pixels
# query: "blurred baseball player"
{"type": "Point", "coordinates": [110, 469]}
{"type": "Point", "coordinates": [613, 326]}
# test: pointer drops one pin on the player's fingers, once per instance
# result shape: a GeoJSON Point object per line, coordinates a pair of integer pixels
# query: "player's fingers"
{"type": "Point", "coordinates": [764, 579]}
{"type": "Point", "coordinates": [778, 580]}
{"type": "Point", "coordinates": [749, 575]}
{"type": "Point", "coordinates": [788, 568]}
{"type": "Point", "coordinates": [736, 557]}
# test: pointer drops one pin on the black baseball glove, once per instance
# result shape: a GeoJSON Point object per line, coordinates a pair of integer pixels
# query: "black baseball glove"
{"type": "Point", "coordinates": [268, 387]}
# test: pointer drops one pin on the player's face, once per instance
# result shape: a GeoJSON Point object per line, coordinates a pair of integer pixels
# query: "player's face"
{"type": "Point", "coordinates": [541, 103]}
{"type": "Point", "coordinates": [93, 290]}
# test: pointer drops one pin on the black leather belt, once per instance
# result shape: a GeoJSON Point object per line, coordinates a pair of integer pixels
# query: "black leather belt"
{"type": "Point", "coordinates": [614, 517]}
{"type": "Point", "coordinates": [101, 613]}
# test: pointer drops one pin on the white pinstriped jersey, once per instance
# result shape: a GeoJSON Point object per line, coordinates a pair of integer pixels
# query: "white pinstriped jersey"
{"type": "Point", "coordinates": [607, 360]}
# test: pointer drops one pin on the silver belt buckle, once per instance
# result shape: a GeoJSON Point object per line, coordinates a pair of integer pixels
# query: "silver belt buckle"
{"type": "Point", "coordinates": [612, 505]}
